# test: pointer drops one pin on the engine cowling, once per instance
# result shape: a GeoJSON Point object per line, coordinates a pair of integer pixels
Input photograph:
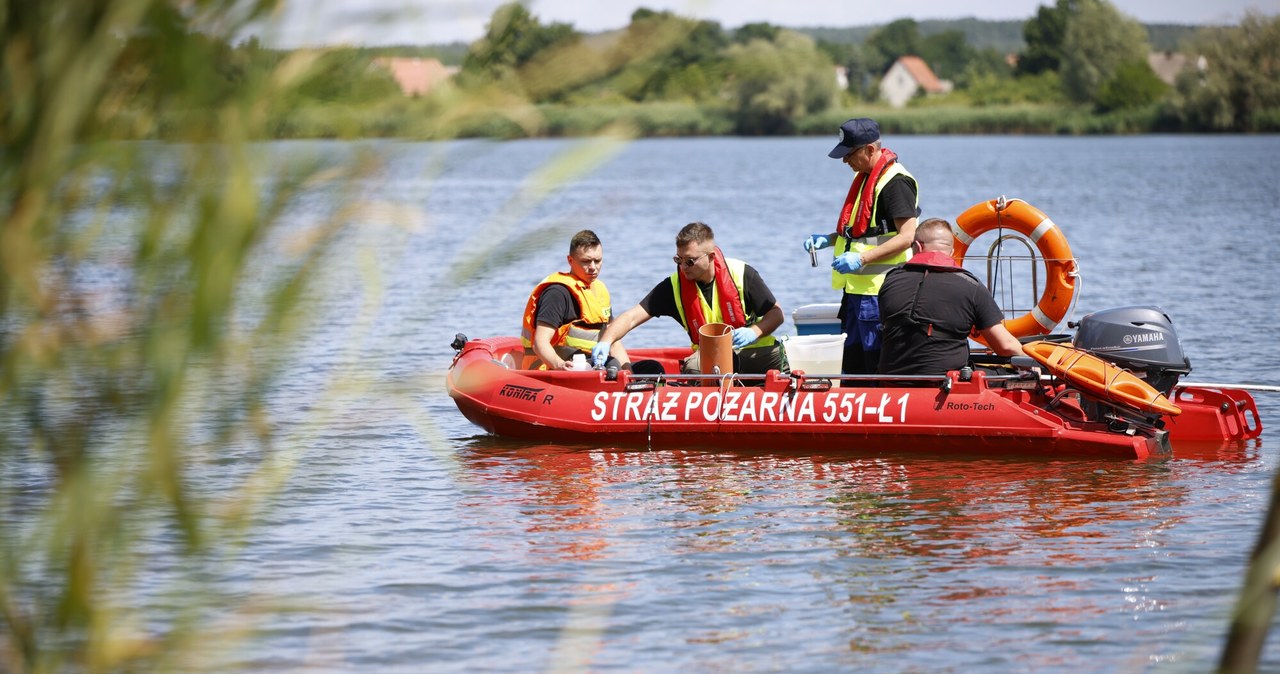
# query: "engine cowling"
{"type": "Point", "coordinates": [1140, 339]}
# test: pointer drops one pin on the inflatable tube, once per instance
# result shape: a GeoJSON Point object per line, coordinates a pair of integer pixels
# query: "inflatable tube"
{"type": "Point", "coordinates": [1060, 266]}
{"type": "Point", "coordinates": [1097, 377]}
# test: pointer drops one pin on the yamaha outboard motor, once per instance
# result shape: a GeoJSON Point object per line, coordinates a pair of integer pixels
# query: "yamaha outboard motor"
{"type": "Point", "coordinates": [1139, 339]}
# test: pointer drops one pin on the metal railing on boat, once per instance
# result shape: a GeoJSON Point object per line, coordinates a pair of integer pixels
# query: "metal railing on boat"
{"type": "Point", "coordinates": [808, 382]}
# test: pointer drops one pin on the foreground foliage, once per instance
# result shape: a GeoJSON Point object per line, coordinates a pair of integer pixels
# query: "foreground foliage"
{"type": "Point", "coordinates": [134, 351]}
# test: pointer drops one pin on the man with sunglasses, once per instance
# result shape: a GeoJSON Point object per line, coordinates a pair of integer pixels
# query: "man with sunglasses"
{"type": "Point", "coordinates": [567, 310]}
{"type": "Point", "coordinates": [873, 235]}
{"type": "Point", "coordinates": [708, 287]}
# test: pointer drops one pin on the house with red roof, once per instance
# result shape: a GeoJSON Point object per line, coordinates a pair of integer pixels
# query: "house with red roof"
{"type": "Point", "coordinates": [417, 76]}
{"type": "Point", "coordinates": [907, 77]}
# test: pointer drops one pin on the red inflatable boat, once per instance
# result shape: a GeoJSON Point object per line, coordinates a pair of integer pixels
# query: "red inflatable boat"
{"type": "Point", "coordinates": [1002, 409]}
{"type": "Point", "coordinates": [1112, 390]}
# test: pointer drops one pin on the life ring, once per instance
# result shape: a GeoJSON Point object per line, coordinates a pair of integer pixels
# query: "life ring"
{"type": "Point", "coordinates": [1100, 378]}
{"type": "Point", "coordinates": [1060, 265]}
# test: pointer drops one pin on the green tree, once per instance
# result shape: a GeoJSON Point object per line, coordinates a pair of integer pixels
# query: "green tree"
{"type": "Point", "coordinates": [663, 56]}
{"type": "Point", "coordinates": [1044, 35]}
{"type": "Point", "coordinates": [347, 76]}
{"type": "Point", "coordinates": [512, 38]}
{"type": "Point", "coordinates": [201, 67]}
{"type": "Point", "coordinates": [756, 31]}
{"type": "Point", "coordinates": [985, 63]}
{"type": "Point", "coordinates": [987, 88]}
{"type": "Point", "coordinates": [1098, 41]}
{"type": "Point", "coordinates": [860, 63]}
{"type": "Point", "coordinates": [1238, 86]}
{"type": "Point", "coordinates": [894, 39]}
{"type": "Point", "coordinates": [1133, 85]}
{"type": "Point", "coordinates": [947, 53]}
{"type": "Point", "coordinates": [773, 83]}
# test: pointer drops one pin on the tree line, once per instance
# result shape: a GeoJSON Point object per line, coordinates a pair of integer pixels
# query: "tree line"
{"type": "Point", "coordinates": [668, 74]}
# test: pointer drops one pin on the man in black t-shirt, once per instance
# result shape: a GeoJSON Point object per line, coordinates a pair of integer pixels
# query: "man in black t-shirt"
{"type": "Point", "coordinates": [930, 304]}
{"type": "Point", "coordinates": [566, 311]}
{"type": "Point", "coordinates": [700, 262]}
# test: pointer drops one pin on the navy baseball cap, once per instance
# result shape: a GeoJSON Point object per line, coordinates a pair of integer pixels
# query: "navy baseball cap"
{"type": "Point", "coordinates": [854, 134]}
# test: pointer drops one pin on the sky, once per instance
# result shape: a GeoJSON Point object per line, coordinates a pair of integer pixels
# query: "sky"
{"type": "Point", "coordinates": [418, 22]}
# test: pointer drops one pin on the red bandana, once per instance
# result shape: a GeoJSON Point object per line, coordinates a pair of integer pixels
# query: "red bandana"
{"type": "Point", "coordinates": [865, 184]}
{"type": "Point", "coordinates": [730, 302]}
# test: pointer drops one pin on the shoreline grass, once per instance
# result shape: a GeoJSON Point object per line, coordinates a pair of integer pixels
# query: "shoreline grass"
{"type": "Point", "coordinates": [414, 119]}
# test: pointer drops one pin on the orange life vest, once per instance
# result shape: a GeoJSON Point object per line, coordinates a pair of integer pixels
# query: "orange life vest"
{"type": "Point", "coordinates": [594, 312]}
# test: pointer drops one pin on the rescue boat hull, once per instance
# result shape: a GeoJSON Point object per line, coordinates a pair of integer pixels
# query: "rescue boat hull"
{"type": "Point", "coordinates": [981, 416]}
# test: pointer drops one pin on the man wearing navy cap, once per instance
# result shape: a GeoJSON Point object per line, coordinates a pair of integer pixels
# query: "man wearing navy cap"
{"type": "Point", "coordinates": [873, 235]}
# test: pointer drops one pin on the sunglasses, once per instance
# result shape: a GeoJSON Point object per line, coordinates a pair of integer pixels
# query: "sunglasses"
{"type": "Point", "coordinates": [689, 261]}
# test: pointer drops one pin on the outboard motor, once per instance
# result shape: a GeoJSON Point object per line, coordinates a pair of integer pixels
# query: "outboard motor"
{"type": "Point", "coordinates": [1140, 339]}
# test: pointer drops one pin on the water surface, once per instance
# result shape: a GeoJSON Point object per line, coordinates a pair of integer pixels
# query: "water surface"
{"type": "Point", "coordinates": [410, 542]}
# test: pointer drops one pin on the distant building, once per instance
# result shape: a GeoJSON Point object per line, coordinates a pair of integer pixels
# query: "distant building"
{"type": "Point", "coordinates": [1167, 64]}
{"type": "Point", "coordinates": [908, 76]}
{"type": "Point", "coordinates": [842, 78]}
{"type": "Point", "coordinates": [417, 76]}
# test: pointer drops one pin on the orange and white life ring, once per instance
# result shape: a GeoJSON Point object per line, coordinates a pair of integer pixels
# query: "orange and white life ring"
{"type": "Point", "coordinates": [1097, 377]}
{"type": "Point", "coordinates": [1060, 265]}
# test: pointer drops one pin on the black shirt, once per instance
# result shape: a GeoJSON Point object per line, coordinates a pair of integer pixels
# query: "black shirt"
{"type": "Point", "coordinates": [948, 306]}
{"type": "Point", "coordinates": [758, 300]}
{"type": "Point", "coordinates": [896, 200]}
{"type": "Point", "coordinates": [556, 306]}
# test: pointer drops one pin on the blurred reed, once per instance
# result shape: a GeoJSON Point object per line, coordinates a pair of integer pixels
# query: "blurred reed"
{"type": "Point", "coordinates": [141, 326]}
{"type": "Point", "coordinates": [151, 296]}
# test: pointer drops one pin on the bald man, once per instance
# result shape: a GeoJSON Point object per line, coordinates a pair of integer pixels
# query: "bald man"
{"type": "Point", "coordinates": [929, 305]}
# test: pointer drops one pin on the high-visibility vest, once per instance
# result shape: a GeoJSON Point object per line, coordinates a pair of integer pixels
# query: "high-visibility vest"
{"type": "Point", "coordinates": [711, 310]}
{"type": "Point", "coordinates": [867, 280]}
{"type": "Point", "coordinates": [576, 336]}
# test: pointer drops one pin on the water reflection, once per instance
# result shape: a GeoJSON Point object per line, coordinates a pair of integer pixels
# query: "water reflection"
{"type": "Point", "coordinates": [896, 506]}
{"type": "Point", "coordinates": [893, 552]}
{"type": "Point", "coordinates": [1231, 455]}
{"type": "Point", "coordinates": [558, 496]}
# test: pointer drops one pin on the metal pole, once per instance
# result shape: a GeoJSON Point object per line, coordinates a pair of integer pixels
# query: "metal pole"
{"type": "Point", "coordinates": [1244, 387]}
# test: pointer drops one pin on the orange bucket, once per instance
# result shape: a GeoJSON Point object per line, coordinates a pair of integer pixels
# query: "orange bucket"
{"type": "Point", "coordinates": [715, 348]}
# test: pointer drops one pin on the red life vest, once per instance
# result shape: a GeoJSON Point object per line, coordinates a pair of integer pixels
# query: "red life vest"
{"type": "Point", "coordinates": [928, 261]}
{"type": "Point", "coordinates": [864, 184]}
{"type": "Point", "coordinates": [731, 309]}
{"type": "Point", "coordinates": [935, 261]}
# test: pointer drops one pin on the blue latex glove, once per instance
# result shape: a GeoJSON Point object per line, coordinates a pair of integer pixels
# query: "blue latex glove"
{"type": "Point", "coordinates": [848, 263]}
{"type": "Point", "coordinates": [743, 337]}
{"type": "Point", "coordinates": [817, 242]}
{"type": "Point", "coordinates": [600, 353]}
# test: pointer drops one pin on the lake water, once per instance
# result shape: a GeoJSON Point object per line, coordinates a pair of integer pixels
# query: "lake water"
{"type": "Point", "coordinates": [409, 542]}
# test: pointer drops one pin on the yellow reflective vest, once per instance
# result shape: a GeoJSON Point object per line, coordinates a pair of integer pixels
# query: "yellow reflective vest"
{"type": "Point", "coordinates": [711, 310]}
{"type": "Point", "coordinates": [867, 280]}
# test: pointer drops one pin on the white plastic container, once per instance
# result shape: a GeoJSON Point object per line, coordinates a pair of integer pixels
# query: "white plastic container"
{"type": "Point", "coordinates": [815, 354]}
{"type": "Point", "coordinates": [816, 319]}
{"type": "Point", "coordinates": [579, 363]}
